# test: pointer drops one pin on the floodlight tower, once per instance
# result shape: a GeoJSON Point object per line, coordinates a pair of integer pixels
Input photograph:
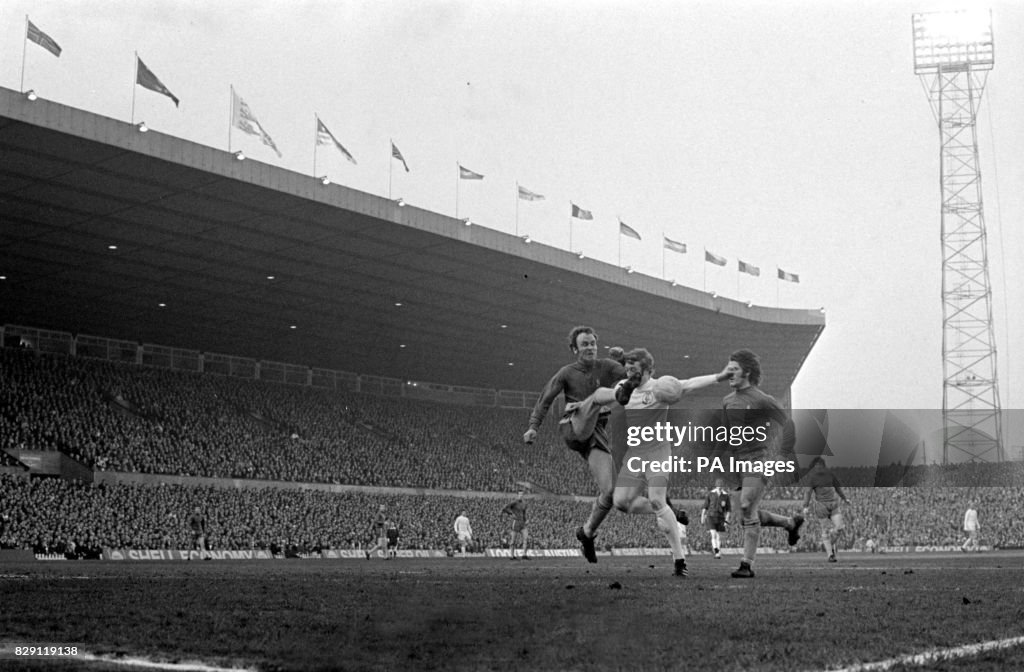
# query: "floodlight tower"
{"type": "Point", "coordinates": [953, 52]}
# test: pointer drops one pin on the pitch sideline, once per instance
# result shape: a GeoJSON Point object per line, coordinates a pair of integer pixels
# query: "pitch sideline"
{"type": "Point", "coordinates": [933, 655]}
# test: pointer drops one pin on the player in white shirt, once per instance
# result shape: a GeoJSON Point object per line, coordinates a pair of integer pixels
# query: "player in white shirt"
{"type": "Point", "coordinates": [647, 401]}
{"type": "Point", "coordinates": [971, 527]}
{"type": "Point", "coordinates": [463, 531]}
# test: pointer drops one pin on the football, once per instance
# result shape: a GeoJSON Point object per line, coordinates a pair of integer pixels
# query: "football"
{"type": "Point", "coordinates": [667, 389]}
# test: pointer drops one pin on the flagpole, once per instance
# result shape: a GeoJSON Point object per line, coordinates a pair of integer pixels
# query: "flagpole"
{"type": "Point", "coordinates": [663, 255]}
{"type": "Point", "coordinates": [517, 208]}
{"type": "Point", "coordinates": [457, 164]}
{"type": "Point", "coordinates": [231, 113]}
{"type": "Point", "coordinates": [777, 304]}
{"type": "Point", "coordinates": [316, 139]}
{"type": "Point", "coordinates": [620, 242]}
{"type": "Point", "coordinates": [705, 269]}
{"type": "Point", "coordinates": [570, 226]}
{"type": "Point", "coordinates": [738, 274]}
{"type": "Point", "coordinates": [134, 85]}
{"type": "Point", "coordinates": [391, 163]}
{"type": "Point", "coordinates": [24, 44]}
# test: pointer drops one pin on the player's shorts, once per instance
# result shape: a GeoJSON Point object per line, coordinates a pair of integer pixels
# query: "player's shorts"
{"type": "Point", "coordinates": [518, 525]}
{"type": "Point", "coordinates": [465, 537]}
{"type": "Point", "coordinates": [393, 543]}
{"type": "Point", "coordinates": [598, 440]}
{"type": "Point", "coordinates": [831, 511]}
{"type": "Point", "coordinates": [199, 538]}
{"type": "Point", "coordinates": [716, 524]}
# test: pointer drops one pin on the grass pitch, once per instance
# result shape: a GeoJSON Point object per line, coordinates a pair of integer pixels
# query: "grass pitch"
{"type": "Point", "coordinates": [799, 613]}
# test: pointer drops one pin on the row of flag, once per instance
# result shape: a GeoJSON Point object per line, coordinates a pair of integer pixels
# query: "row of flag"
{"type": "Point", "coordinates": [243, 118]}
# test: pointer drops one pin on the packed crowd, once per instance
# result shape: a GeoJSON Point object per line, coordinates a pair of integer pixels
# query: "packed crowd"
{"type": "Point", "coordinates": [119, 417]}
{"type": "Point", "coordinates": [126, 418]}
{"type": "Point", "coordinates": [50, 515]}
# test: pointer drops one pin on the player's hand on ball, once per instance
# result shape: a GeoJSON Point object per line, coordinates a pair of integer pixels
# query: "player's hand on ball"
{"type": "Point", "coordinates": [530, 435]}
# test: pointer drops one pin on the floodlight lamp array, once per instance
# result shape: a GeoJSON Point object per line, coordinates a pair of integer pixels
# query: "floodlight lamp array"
{"type": "Point", "coordinates": [952, 41]}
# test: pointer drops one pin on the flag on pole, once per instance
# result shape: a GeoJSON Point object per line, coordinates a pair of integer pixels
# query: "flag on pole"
{"type": "Point", "coordinates": [43, 40]}
{"type": "Point", "coordinates": [325, 137]}
{"type": "Point", "coordinates": [580, 213]}
{"type": "Point", "coordinates": [788, 277]}
{"type": "Point", "coordinates": [750, 269]}
{"type": "Point", "coordinates": [626, 230]}
{"type": "Point", "coordinates": [467, 174]}
{"type": "Point", "coordinates": [147, 80]}
{"type": "Point", "coordinates": [675, 246]}
{"type": "Point", "coordinates": [714, 258]}
{"type": "Point", "coordinates": [527, 195]}
{"type": "Point", "coordinates": [396, 154]}
{"type": "Point", "coordinates": [243, 119]}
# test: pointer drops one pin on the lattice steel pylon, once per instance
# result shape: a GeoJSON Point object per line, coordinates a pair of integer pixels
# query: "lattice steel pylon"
{"type": "Point", "coordinates": [953, 52]}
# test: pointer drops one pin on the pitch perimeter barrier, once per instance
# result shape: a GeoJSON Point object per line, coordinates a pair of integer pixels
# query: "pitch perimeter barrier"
{"type": "Point", "coordinates": [164, 555]}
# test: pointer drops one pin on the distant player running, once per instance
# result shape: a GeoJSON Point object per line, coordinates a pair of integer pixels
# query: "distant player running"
{"type": "Point", "coordinates": [577, 381]}
{"type": "Point", "coordinates": [748, 409]}
{"type": "Point", "coordinates": [517, 510]}
{"type": "Point", "coordinates": [824, 487]}
{"type": "Point", "coordinates": [647, 401]}
{"type": "Point", "coordinates": [378, 529]}
{"type": "Point", "coordinates": [715, 515]}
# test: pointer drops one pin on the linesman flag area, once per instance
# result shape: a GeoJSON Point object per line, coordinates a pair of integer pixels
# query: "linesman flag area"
{"type": "Point", "coordinates": [145, 78]}
{"type": "Point", "coordinates": [42, 39]}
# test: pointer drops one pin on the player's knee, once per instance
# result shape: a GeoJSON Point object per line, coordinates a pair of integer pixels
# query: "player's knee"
{"type": "Point", "coordinates": [604, 500]}
{"type": "Point", "coordinates": [621, 502]}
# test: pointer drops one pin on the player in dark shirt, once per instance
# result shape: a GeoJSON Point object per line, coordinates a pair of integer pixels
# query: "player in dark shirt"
{"type": "Point", "coordinates": [824, 488]}
{"type": "Point", "coordinates": [715, 515]}
{"type": "Point", "coordinates": [748, 408]}
{"type": "Point", "coordinates": [391, 530]}
{"type": "Point", "coordinates": [517, 510]}
{"type": "Point", "coordinates": [377, 526]}
{"type": "Point", "coordinates": [578, 381]}
{"type": "Point", "coordinates": [197, 523]}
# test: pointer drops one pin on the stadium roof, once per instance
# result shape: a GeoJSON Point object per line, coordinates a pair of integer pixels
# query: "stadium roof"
{"type": "Point", "coordinates": [356, 275]}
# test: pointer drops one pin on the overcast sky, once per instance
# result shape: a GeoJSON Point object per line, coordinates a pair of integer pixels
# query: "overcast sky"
{"type": "Point", "coordinates": [786, 134]}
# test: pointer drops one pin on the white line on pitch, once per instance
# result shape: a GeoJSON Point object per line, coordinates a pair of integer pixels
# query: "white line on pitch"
{"type": "Point", "coordinates": [933, 655]}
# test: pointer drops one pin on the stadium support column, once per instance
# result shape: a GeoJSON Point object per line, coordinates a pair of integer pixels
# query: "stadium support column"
{"type": "Point", "coordinates": [953, 52]}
